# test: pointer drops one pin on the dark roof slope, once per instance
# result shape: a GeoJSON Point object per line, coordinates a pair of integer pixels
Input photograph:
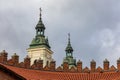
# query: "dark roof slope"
{"type": "Point", "coordinates": [9, 74]}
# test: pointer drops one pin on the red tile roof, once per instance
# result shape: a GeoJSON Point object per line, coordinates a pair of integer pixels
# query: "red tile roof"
{"type": "Point", "coordinates": [30, 74]}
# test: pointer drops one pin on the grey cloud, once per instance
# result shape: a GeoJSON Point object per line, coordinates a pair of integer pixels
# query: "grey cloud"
{"type": "Point", "coordinates": [87, 21]}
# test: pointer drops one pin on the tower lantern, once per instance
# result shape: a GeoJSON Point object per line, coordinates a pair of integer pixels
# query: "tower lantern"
{"type": "Point", "coordinates": [69, 49]}
{"type": "Point", "coordinates": [40, 28]}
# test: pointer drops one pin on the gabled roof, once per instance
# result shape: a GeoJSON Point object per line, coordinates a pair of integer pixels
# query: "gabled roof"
{"type": "Point", "coordinates": [8, 74]}
{"type": "Point", "coordinates": [30, 74]}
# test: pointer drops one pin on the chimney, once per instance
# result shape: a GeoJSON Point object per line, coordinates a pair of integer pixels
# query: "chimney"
{"type": "Point", "coordinates": [93, 66]}
{"type": "Point", "coordinates": [65, 66]}
{"type": "Point", "coordinates": [118, 64]}
{"type": "Point", "coordinates": [3, 57]}
{"type": "Point", "coordinates": [106, 65]}
{"type": "Point", "coordinates": [52, 65]}
{"type": "Point", "coordinates": [15, 59]}
{"type": "Point", "coordinates": [27, 62]}
{"type": "Point", "coordinates": [79, 66]}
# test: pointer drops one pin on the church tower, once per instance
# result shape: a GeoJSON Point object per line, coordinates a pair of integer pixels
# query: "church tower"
{"type": "Point", "coordinates": [39, 47]}
{"type": "Point", "coordinates": [69, 54]}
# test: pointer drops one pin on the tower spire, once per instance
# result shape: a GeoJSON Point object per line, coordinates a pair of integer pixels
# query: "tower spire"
{"type": "Point", "coordinates": [69, 38]}
{"type": "Point", "coordinates": [69, 54]}
{"type": "Point", "coordinates": [40, 14]}
{"type": "Point", "coordinates": [69, 47]}
{"type": "Point", "coordinates": [40, 28]}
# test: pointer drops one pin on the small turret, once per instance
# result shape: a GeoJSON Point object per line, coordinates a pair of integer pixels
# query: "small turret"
{"type": "Point", "coordinates": [52, 65]}
{"type": "Point", "coordinates": [27, 62]}
{"type": "Point", "coordinates": [79, 66]}
{"type": "Point", "coordinates": [3, 56]}
{"type": "Point", "coordinates": [69, 54]}
{"type": "Point", "coordinates": [106, 65]}
{"type": "Point", "coordinates": [93, 65]}
{"type": "Point", "coordinates": [15, 59]}
{"type": "Point", "coordinates": [118, 64]}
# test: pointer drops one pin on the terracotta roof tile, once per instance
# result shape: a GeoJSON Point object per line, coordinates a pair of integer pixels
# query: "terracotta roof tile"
{"type": "Point", "coordinates": [99, 69]}
{"type": "Point", "coordinates": [47, 75]}
{"type": "Point", "coordinates": [112, 68]}
{"type": "Point", "coordinates": [73, 69]}
{"type": "Point", "coordinates": [59, 69]}
{"type": "Point", "coordinates": [86, 69]}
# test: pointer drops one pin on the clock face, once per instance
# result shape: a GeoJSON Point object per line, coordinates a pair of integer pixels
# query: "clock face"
{"type": "Point", "coordinates": [37, 40]}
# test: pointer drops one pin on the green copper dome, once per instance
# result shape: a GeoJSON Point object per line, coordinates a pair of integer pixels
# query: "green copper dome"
{"type": "Point", "coordinates": [40, 42]}
{"type": "Point", "coordinates": [69, 48]}
{"type": "Point", "coordinates": [40, 25]}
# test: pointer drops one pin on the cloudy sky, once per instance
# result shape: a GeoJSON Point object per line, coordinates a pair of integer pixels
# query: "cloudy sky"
{"type": "Point", "coordinates": [94, 26]}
